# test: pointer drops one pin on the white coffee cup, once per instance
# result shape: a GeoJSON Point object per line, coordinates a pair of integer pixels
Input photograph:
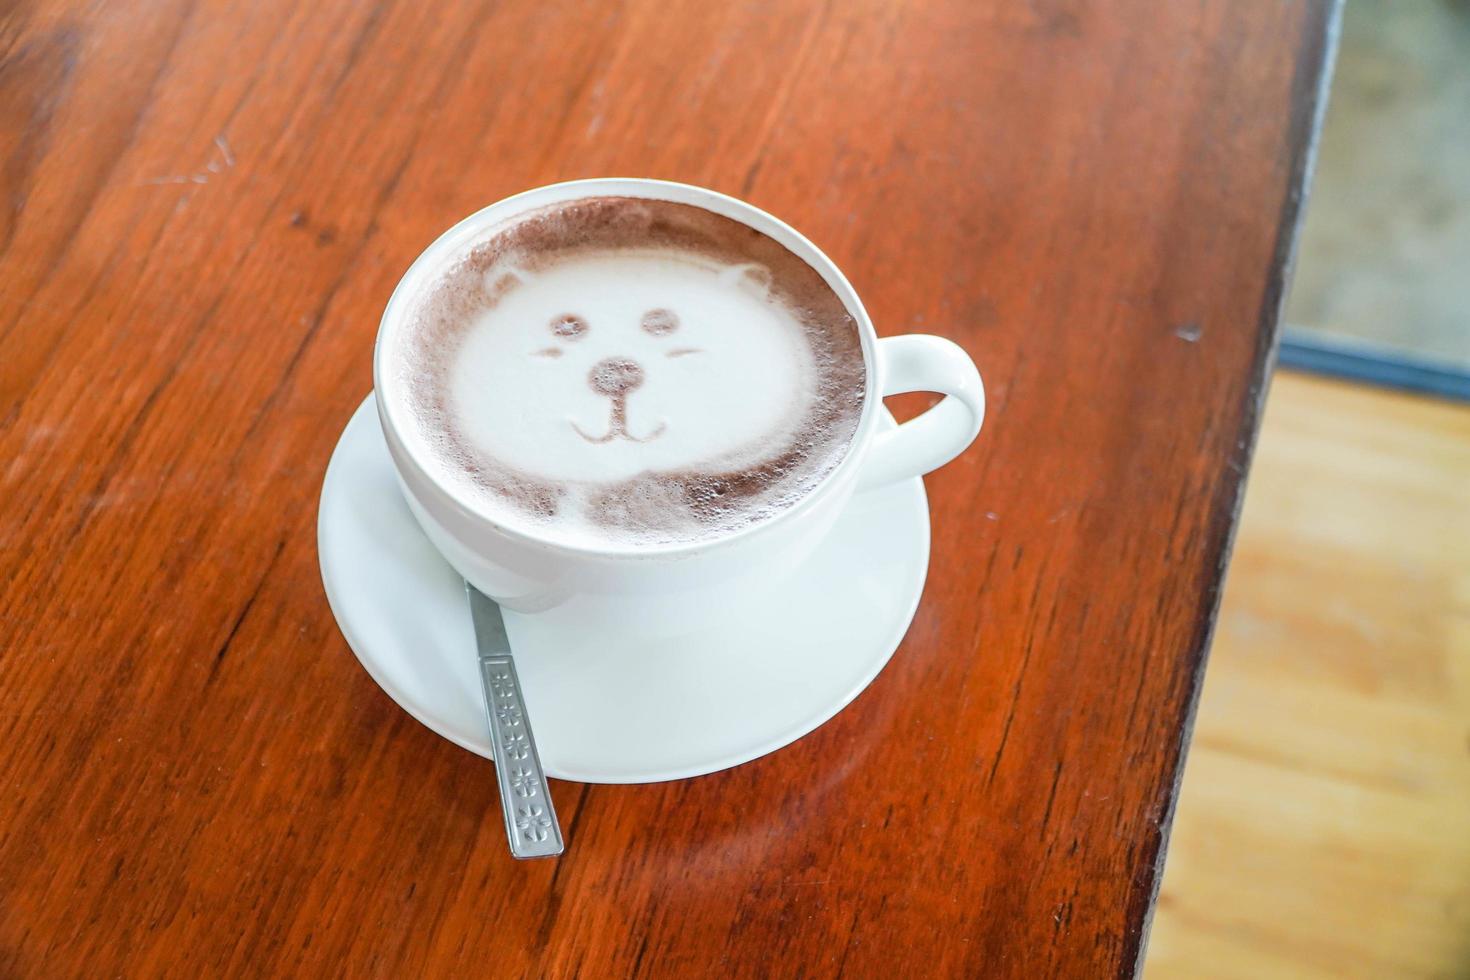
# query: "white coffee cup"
{"type": "Point", "coordinates": [657, 587]}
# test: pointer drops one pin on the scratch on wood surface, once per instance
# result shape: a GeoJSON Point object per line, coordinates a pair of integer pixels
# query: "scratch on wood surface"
{"type": "Point", "coordinates": [226, 158]}
{"type": "Point", "coordinates": [1051, 796]}
{"type": "Point", "coordinates": [1190, 332]}
{"type": "Point", "coordinates": [224, 647]}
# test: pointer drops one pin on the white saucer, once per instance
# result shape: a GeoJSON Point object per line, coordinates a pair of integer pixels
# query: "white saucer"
{"type": "Point", "coordinates": [685, 706]}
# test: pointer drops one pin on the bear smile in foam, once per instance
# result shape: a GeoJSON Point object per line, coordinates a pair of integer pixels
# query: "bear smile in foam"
{"type": "Point", "coordinates": [617, 378]}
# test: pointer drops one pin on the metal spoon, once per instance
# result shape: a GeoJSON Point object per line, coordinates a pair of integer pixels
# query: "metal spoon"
{"type": "Point", "coordinates": [530, 819]}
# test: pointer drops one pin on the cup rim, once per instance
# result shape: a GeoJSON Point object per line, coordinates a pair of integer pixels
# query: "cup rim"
{"type": "Point", "coordinates": [463, 233]}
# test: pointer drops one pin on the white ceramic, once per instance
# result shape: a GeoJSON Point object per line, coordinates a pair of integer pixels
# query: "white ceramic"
{"type": "Point", "coordinates": [763, 672]}
{"type": "Point", "coordinates": [654, 591]}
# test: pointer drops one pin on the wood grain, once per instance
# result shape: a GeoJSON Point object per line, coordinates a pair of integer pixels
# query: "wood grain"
{"type": "Point", "coordinates": [1321, 829]}
{"type": "Point", "coordinates": [205, 208]}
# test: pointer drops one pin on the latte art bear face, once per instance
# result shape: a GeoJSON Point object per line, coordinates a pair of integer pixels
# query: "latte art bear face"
{"type": "Point", "coordinates": [624, 371]}
{"type": "Point", "coordinates": [604, 367]}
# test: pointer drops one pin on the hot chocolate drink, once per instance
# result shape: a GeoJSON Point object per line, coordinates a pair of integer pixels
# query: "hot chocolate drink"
{"type": "Point", "coordinates": [623, 371]}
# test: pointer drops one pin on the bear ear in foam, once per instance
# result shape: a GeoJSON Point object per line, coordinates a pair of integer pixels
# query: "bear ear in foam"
{"type": "Point", "coordinates": [501, 279]}
{"type": "Point", "coordinates": [750, 274]}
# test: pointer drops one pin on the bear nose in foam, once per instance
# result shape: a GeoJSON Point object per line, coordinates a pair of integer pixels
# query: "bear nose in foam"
{"type": "Point", "coordinates": [613, 376]}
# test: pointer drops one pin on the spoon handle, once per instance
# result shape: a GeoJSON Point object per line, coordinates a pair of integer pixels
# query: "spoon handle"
{"type": "Point", "coordinates": [530, 818]}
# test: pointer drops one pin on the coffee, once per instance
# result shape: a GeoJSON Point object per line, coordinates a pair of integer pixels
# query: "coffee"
{"type": "Point", "coordinates": [624, 371]}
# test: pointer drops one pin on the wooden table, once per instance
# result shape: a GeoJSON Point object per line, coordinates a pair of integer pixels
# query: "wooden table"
{"type": "Point", "coordinates": [203, 208]}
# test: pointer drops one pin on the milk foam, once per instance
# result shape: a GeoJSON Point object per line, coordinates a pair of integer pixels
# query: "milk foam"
{"type": "Point", "coordinates": [730, 376]}
{"type": "Point", "coordinates": [616, 371]}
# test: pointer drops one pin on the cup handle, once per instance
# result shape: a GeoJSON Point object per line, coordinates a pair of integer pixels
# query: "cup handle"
{"type": "Point", "coordinates": [919, 362]}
